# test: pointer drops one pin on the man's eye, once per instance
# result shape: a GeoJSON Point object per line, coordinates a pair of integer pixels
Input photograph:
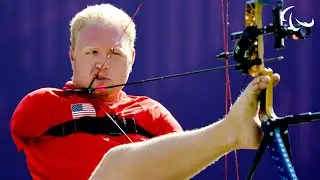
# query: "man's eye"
{"type": "Point", "coordinates": [92, 52]}
{"type": "Point", "coordinates": [116, 53]}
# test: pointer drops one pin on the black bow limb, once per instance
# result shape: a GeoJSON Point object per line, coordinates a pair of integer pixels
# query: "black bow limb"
{"type": "Point", "coordinates": [276, 141]}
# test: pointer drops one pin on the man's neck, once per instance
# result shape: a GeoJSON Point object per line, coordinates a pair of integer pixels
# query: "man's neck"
{"type": "Point", "coordinates": [110, 98]}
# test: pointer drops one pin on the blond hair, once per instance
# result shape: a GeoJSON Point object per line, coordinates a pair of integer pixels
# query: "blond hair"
{"type": "Point", "coordinates": [106, 14]}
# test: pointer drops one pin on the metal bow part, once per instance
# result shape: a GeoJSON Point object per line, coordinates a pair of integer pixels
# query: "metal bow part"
{"type": "Point", "coordinates": [249, 52]}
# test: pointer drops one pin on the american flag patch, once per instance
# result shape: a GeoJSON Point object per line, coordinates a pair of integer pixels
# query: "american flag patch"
{"type": "Point", "coordinates": [82, 109]}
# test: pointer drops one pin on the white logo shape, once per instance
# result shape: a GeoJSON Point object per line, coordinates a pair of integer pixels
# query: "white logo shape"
{"type": "Point", "coordinates": [291, 26]}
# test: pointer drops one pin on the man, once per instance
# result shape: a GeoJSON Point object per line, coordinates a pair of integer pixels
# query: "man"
{"type": "Point", "coordinates": [70, 135]}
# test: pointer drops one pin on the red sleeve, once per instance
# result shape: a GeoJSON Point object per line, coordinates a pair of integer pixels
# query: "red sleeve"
{"type": "Point", "coordinates": [164, 120]}
{"type": "Point", "coordinates": [28, 120]}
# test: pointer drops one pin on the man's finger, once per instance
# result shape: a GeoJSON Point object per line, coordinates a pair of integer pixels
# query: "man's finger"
{"type": "Point", "coordinates": [275, 79]}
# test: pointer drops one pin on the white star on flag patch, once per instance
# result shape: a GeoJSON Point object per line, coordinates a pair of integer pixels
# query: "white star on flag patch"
{"type": "Point", "coordinates": [82, 109]}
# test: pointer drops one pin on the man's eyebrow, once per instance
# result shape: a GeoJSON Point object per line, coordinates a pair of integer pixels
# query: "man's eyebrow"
{"type": "Point", "coordinates": [89, 48]}
{"type": "Point", "coordinates": [118, 48]}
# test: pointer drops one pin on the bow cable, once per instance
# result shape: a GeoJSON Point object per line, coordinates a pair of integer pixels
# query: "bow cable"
{"type": "Point", "coordinates": [228, 95]}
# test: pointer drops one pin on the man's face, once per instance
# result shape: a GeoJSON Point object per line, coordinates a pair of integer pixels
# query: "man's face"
{"type": "Point", "coordinates": [93, 45]}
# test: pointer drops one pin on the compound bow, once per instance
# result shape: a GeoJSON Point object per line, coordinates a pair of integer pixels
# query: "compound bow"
{"type": "Point", "coordinates": [249, 52]}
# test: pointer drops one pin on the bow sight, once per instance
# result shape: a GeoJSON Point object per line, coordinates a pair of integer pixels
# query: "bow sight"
{"type": "Point", "coordinates": [246, 39]}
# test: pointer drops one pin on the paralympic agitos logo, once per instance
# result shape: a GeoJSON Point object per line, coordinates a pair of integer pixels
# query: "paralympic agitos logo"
{"type": "Point", "coordinates": [291, 26]}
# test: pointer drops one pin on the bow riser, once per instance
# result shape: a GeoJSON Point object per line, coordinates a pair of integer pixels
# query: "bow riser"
{"type": "Point", "coordinates": [253, 12]}
{"type": "Point", "coordinates": [276, 141]}
{"type": "Point", "coordinates": [253, 18]}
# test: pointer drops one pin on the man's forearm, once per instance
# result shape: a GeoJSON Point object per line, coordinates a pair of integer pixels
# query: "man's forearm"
{"type": "Point", "coordinates": [173, 156]}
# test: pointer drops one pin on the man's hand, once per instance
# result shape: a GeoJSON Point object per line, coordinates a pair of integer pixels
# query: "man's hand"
{"type": "Point", "coordinates": [244, 117]}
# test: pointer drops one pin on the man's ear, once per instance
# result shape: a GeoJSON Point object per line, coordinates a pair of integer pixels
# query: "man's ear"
{"type": "Point", "coordinates": [71, 56]}
{"type": "Point", "coordinates": [133, 56]}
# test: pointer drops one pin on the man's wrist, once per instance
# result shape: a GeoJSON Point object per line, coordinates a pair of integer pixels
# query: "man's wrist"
{"type": "Point", "coordinates": [228, 135]}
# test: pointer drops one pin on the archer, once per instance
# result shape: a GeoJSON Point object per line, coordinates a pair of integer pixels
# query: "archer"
{"type": "Point", "coordinates": [95, 134]}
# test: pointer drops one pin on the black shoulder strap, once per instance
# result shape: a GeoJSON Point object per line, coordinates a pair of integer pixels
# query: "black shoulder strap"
{"type": "Point", "coordinates": [98, 125]}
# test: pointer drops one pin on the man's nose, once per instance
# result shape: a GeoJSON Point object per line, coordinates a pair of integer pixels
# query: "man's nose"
{"type": "Point", "coordinates": [103, 62]}
{"type": "Point", "coordinates": [103, 65]}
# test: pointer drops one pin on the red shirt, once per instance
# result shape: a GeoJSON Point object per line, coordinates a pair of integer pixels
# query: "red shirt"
{"type": "Point", "coordinates": [75, 156]}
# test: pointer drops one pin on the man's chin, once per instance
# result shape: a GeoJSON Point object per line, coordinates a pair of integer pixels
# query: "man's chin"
{"type": "Point", "coordinates": [102, 92]}
{"type": "Point", "coordinates": [101, 86]}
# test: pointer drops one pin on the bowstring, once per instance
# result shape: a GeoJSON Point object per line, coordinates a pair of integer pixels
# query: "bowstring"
{"type": "Point", "coordinates": [109, 116]}
{"type": "Point", "coordinates": [226, 70]}
{"type": "Point", "coordinates": [108, 57]}
{"type": "Point", "coordinates": [228, 95]}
